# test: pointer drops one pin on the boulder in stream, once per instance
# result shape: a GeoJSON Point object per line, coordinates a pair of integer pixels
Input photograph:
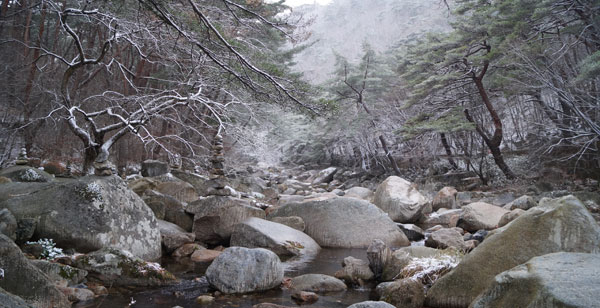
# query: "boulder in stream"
{"type": "Point", "coordinates": [401, 200]}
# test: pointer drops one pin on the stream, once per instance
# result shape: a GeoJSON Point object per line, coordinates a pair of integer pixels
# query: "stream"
{"type": "Point", "coordinates": [193, 284]}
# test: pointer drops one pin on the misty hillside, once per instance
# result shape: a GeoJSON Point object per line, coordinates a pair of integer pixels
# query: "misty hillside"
{"type": "Point", "coordinates": [344, 25]}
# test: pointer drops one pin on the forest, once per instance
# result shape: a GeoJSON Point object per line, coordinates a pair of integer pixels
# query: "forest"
{"type": "Point", "coordinates": [273, 153]}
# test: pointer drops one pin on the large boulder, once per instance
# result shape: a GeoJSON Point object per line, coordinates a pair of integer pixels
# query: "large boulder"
{"type": "Point", "coordinates": [291, 221]}
{"type": "Point", "coordinates": [400, 199]}
{"type": "Point", "coordinates": [23, 279]}
{"type": "Point", "coordinates": [173, 236]}
{"type": "Point", "coordinates": [445, 198]}
{"type": "Point", "coordinates": [405, 255]}
{"type": "Point", "coordinates": [281, 239]}
{"type": "Point", "coordinates": [12, 301]}
{"type": "Point", "coordinates": [324, 176]}
{"type": "Point", "coordinates": [244, 270]}
{"type": "Point", "coordinates": [182, 191]}
{"type": "Point", "coordinates": [169, 209]}
{"type": "Point", "coordinates": [216, 216]}
{"type": "Point", "coordinates": [154, 168]}
{"type": "Point", "coordinates": [86, 214]}
{"type": "Point", "coordinates": [554, 280]}
{"type": "Point", "coordinates": [118, 267]}
{"type": "Point", "coordinates": [371, 304]}
{"type": "Point", "coordinates": [8, 224]}
{"type": "Point", "coordinates": [317, 283]}
{"type": "Point", "coordinates": [26, 174]}
{"type": "Point", "coordinates": [359, 193]}
{"type": "Point", "coordinates": [199, 182]}
{"type": "Point", "coordinates": [445, 238]}
{"type": "Point", "coordinates": [524, 203]}
{"type": "Point", "coordinates": [555, 225]}
{"type": "Point", "coordinates": [406, 293]}
{"type": "Point", "coordinates": [59, 273]}
{"type": "Point", "coordinates": [344, 222]}
{"type": "Point", "coordinates": [480, 215]}
{"type": "Point", "coordinates": [443, 217]}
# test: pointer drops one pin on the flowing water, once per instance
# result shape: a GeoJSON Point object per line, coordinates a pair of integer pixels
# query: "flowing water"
{"type": "Point", "coordinates": [193, 284]}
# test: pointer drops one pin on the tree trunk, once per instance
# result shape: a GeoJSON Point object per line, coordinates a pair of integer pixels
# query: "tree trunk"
{"type": "Point", "coordinates": [448, 151]}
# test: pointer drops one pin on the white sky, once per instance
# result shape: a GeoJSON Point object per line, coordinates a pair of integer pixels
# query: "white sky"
{"type": "Point", "coordinates": [300, 2]}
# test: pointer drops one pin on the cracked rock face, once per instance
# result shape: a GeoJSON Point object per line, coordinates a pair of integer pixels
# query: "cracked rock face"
{"type": "Point", "coordinates": [86, 214]}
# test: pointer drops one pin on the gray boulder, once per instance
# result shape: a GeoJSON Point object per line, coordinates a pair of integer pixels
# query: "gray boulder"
{"type": "Point", "coordinates": [400, 199]}
{"type": "Point", "coordinates": [355, 271]}
{"type": "Point", "coordinates": [344, 222]}
{"type": "Point", "coordinates": [480, 215]}
{"type": "Point", "coordinates": [445, 198]}
{"type": "Point", "coordinates": [555, 225]}
{"type": "Point", "coordinates": [510, 216]}
{"type": "Point", "coordinates": [154, 168]}
{"type": "Point", "coordinates": [23, 279]}
{"type": "Point", "coordinates": [216, 216]}
{"type": "Point", "coordinates": [172, 236]}
{"type": "Point", "coordinates": [406, 293]}
{"type": "Point", "coordinates": [291, 221]}
{"type": "Point", "coordinates": [403, 256]}
{"type": "Point", "coordinates": [169, 209]}
{"type": "Point", "coordinates": [199, 182]}
{"type": "Point", "coordinates": [12, 301]}
{"type": "Point", "coordinates": [317, 283]}
{"type": "Point", "coordinates": [8, 224]}
{"type": "Point", "coordinates": [359, 193]}
{"type": "Point", "coordinates": [60, 273]}
{"type": "Point", "coordinates": [371, 304]}
{"type": "Point", "coordinates": [443, 217]}
{"type": "Point", "coordinates": [243, 270]}
{"type": "Point", "coordinates": [324, 176]}
{"type": "Point", "coordinates": [281, 239]}
{"type": "Point", "coordinates": [554, 280]}
{"type": "Point", "coordinates": [86, 214]}
{"type": "Point", "coordinates": [445, 238]}
{"type": "Point", "coordinates": [524, 203]}
{"type": "Point", "coordinates": [118, 267]}
{"type": "Point", "coordinates": [182, 191]}
{"type": "Point", "coordinates": [26, 174]}
{"type": "Point", "coordinates": [412, 232]}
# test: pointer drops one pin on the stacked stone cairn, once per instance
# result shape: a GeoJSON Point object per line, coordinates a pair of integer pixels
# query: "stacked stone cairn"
{"type": "Point", "coordinates": [217, 180]}
{"type": "Point", "coordinates": [102, 166]}
{"type": "Point", "coordinates": [22, 159]}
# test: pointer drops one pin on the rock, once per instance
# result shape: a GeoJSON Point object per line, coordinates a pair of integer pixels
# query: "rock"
{"type": "Point", "coordinates": [269, 305]}
{"type": "Point", "coordinates": [480, 235]}
{"type": "Point", "coordinates": [317, 283]}
{"type": "Point", "coordinates": [554, 280]}
{"type": "Point", "coordinates": [182, 191]}
{"type": "Point", "coordinates": [59, 272]}
{"type": "Point", "coordinates": [154, 168]}
{"type": "Point", "coordinates": [186, 250]}
{"type": "Point", "coordinates": [4, 180]}
{"type": "Point", "coordinates": [400, 199]}
{"type": "Point", "coordinates": [344, 222]}
{"type": "Point", "coordinates": [216, 216]}
{"type": "Point", "coordinates": [471, 244]}
{"type": "Point", "coordinates": [204, 299]}
{"type": "Point", "coordinates": [199, 182]}
{"type": "Point", "coordinates": [172, 236]}
{"type": "Point", "coordinates": [120, 268]}
{"type": "Point", "coordinates": [205, 255]}
{"type": "Point", "coordinates": [403, 256]}
{"type": "Point", "coordinates": [407, 293]}
{"type": "Point", "coordinates": [139, 186]}
{"type": "Point", "coordinates": [107, 212]}
{"type": "Point", "coordinates": [445, 198]}
{"type": "Point", "coordinates": [8, 224]}
{"type": "Point", "coordinates": [555, 225]}
{"type": "Point", "coordinates": [23, 279]}
{"type": "Point", "coordinates": [291, 221]}
{"type": "Point", "coordinates": [304, 297]}
{"type": "Point", "coordinates": [25, 229]}
{"type": "Point", "coordinates": [510, 216]}
{"type": "Point", "coordinates": [12, 301]}
{"type": "Point", "coordinates": [378, 254]}
{"type": "Point", "coordinates": [355, 271]}
{"type": "Point", "coordinates": [412, 232]}
{"type": "Point", "coordinates": [26, 174]}
{"type": "Point", "coordinates": [524, 203]}
{"type": "Point", "coordinates": [324, 176]}
{"type": "Point", "coordinates": [281, 239]}
{"type": "Point", "coordinates": [243, 270]}
{"type": "Point", "coordinates": [359, 193]}
{"type": "Point", "coordinates": [480, 215]}
{"type": "Point", "coordinates": [98, 289]}
{"type": "Point", "coordinates": [445, 238]}
{"type": "Point", "coordinates": [77, 294]}
{"type": "Point", "coordinates": [371, 304]}
{"type": "Point", "coordinates": [169, 209]}
{"type": "Point", "coordinates": [443, 217]}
